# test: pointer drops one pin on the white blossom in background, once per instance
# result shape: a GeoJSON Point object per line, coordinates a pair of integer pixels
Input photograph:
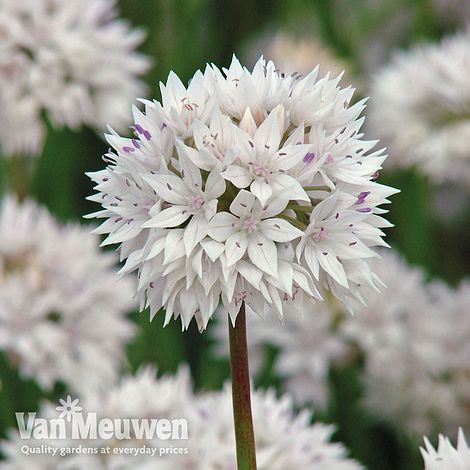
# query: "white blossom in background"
{"type": "Point", "coordinates": [446, 456]}
{"type": "Point", "coordinates": [293, 54]}
{"type": "Point", "coordinates": [62, 308]}
{"type": "Point", "coordinates": [307, 345]}
{"type": "Point", "coordinates": [414, 339]}
{"type": "Point", "coordinates": [74, 60]}
{"type": "Point", "coordinates": [220, 176]}
{"type": "Point", "coordinates": [420, 107]}
{"type": "Point", "coordinates": [285, 440]}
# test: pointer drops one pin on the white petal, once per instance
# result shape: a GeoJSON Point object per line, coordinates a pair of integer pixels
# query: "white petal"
{"type": "Point", "coordinates": [248, 123]}
{"type": "Point", "coordinates": [250, 273]}
{"type": "Point", "coordinates": [169, 187]}
{"type": "Point", "coordinates": [293, 156]}
{"type": "Point", "coordinates": [194, 232]}
{"type": "Point", "coordinates": [173, 246]}
{"type": "Point", "coordinates": [222, 226]}
{"type": "Point", "coordinates": [212, 248]}
{"type": "Point", "coordinates": [279, 230]}
{"type": "Point", "coordinates": [263, 253]}
{"type": "Point", "coordinates": [285, 185]}
{"type": "Point", "coordinates": [333, 267]}
{"type": "Point", "coordinates": [215, 184]}
{"type": "Point", "coordinates": [274, 207]}
{"type": "Point", "coordinates": [171, 217]}
{"type": "Point", "coordinates": [235, 247]}
{"type": "Point", "coordinates": [189, 171]}
{"type": "Point", "coordinates": [262, 190]}
{"type": "Point", "coordinates": [243, 203]}
{"type": "Point", "coordinates": [239, 176]}
{"type": "Point", "coordinates": [268, 136]}
{"type": "Point", "coordinates": [312, 260]}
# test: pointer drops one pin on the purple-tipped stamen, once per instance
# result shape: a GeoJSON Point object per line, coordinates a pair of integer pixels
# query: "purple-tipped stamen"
{"type": "Point", "coordinates": [309, 156]}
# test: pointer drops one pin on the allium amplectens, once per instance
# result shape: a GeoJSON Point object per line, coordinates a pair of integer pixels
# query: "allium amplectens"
{"type": "Point", "coordinates": [250, 187]}
{"type": "Point", "coordinates": [62, 309]}
{"type": "Point", "coordinates": [73, 60]}
{"type": "Point", "coordinates": [420, 108]}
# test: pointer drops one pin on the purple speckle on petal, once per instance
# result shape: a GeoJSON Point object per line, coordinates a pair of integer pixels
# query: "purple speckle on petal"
{"type": "Point", "coordinates": [362, 196]}
{"type": "Point", "coordinates": [364, 210]}
{"type": "Point", "coordinates": [139, 128]}
{"type": "Point", "coordinates": [135, 144]}
{"type": "Point", "coordinates": [147, 135]}
{"type": "Point", "coordinates": [309, 156]}
{"type": "Point", "coordinates": [128, 149]}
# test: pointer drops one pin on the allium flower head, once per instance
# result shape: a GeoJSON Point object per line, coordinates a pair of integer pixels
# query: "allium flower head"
{"type": "Point", "coordinates": [424, 328]}
{"type": "Point", "coordinates": [246, 186]}
{"type": "Point", "coordinates": [420, 108]}
{"type": "Point", "coordinates": [73, 60]}
{"type": "Point", "coordinates": [62, 310]}
{"type": "Point", "coordinates": [446, 457]}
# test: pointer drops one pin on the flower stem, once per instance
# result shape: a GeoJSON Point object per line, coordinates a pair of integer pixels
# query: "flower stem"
{"type": "Point", "coordinates": [18, 175]}
{"type": "Point", "coordinates": [241, 400]}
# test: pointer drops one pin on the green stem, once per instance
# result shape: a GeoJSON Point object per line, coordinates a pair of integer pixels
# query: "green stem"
{"type": "Point", "coordinates": [294, 222]}
{"type": "Point", "coordinates": [241, 400]}
{"type": "Point", "coordinates": [298, 208]}
{"type": "Point", "coordinates": [18, 173]}
{"type": "Point", "coordinates": [316, 188]}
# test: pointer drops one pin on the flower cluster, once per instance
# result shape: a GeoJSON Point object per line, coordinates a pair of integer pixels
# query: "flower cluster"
{"type": "Point", "coordinates": [62, 309]}
{"type": "Point", "coordinates": [284, 439]}
{"type": "Point", "coordinates": [446, 457]}
{"type": "Point", "coordinates": [424, 328]}
{"type": "Point", "coordinates": [73, 60]}
{"type": "Point", "coordinates": [420, 108]}
{"type": "Point", "coordinates": [252, 187]}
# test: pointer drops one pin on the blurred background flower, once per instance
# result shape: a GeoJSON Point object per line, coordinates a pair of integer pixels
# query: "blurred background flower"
{"type": "Point", "coordinates": [73, 61]}
{"type": "Point", "coordinates": [62, 309]}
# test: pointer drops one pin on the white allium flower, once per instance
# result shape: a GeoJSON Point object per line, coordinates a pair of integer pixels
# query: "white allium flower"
{"type": "Point", "coordinates": [420, 107]}
{"type": "Point", "coordinates": [424, 329]}
{"type": "Point", "coordinates": [74, 60]}
{"type": "Point", "coordinates": [221, 174]}
{"type": "Point", "coordinates": [285, 440]}
{"type": "Point", "coordinates": [446, 457]}
{"type": "Point", "coordinates": [141, 397]}
{"type": "Point", "coordinates": [62, 310]}
{"type": "Point", "coordinates": [307, 345]}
